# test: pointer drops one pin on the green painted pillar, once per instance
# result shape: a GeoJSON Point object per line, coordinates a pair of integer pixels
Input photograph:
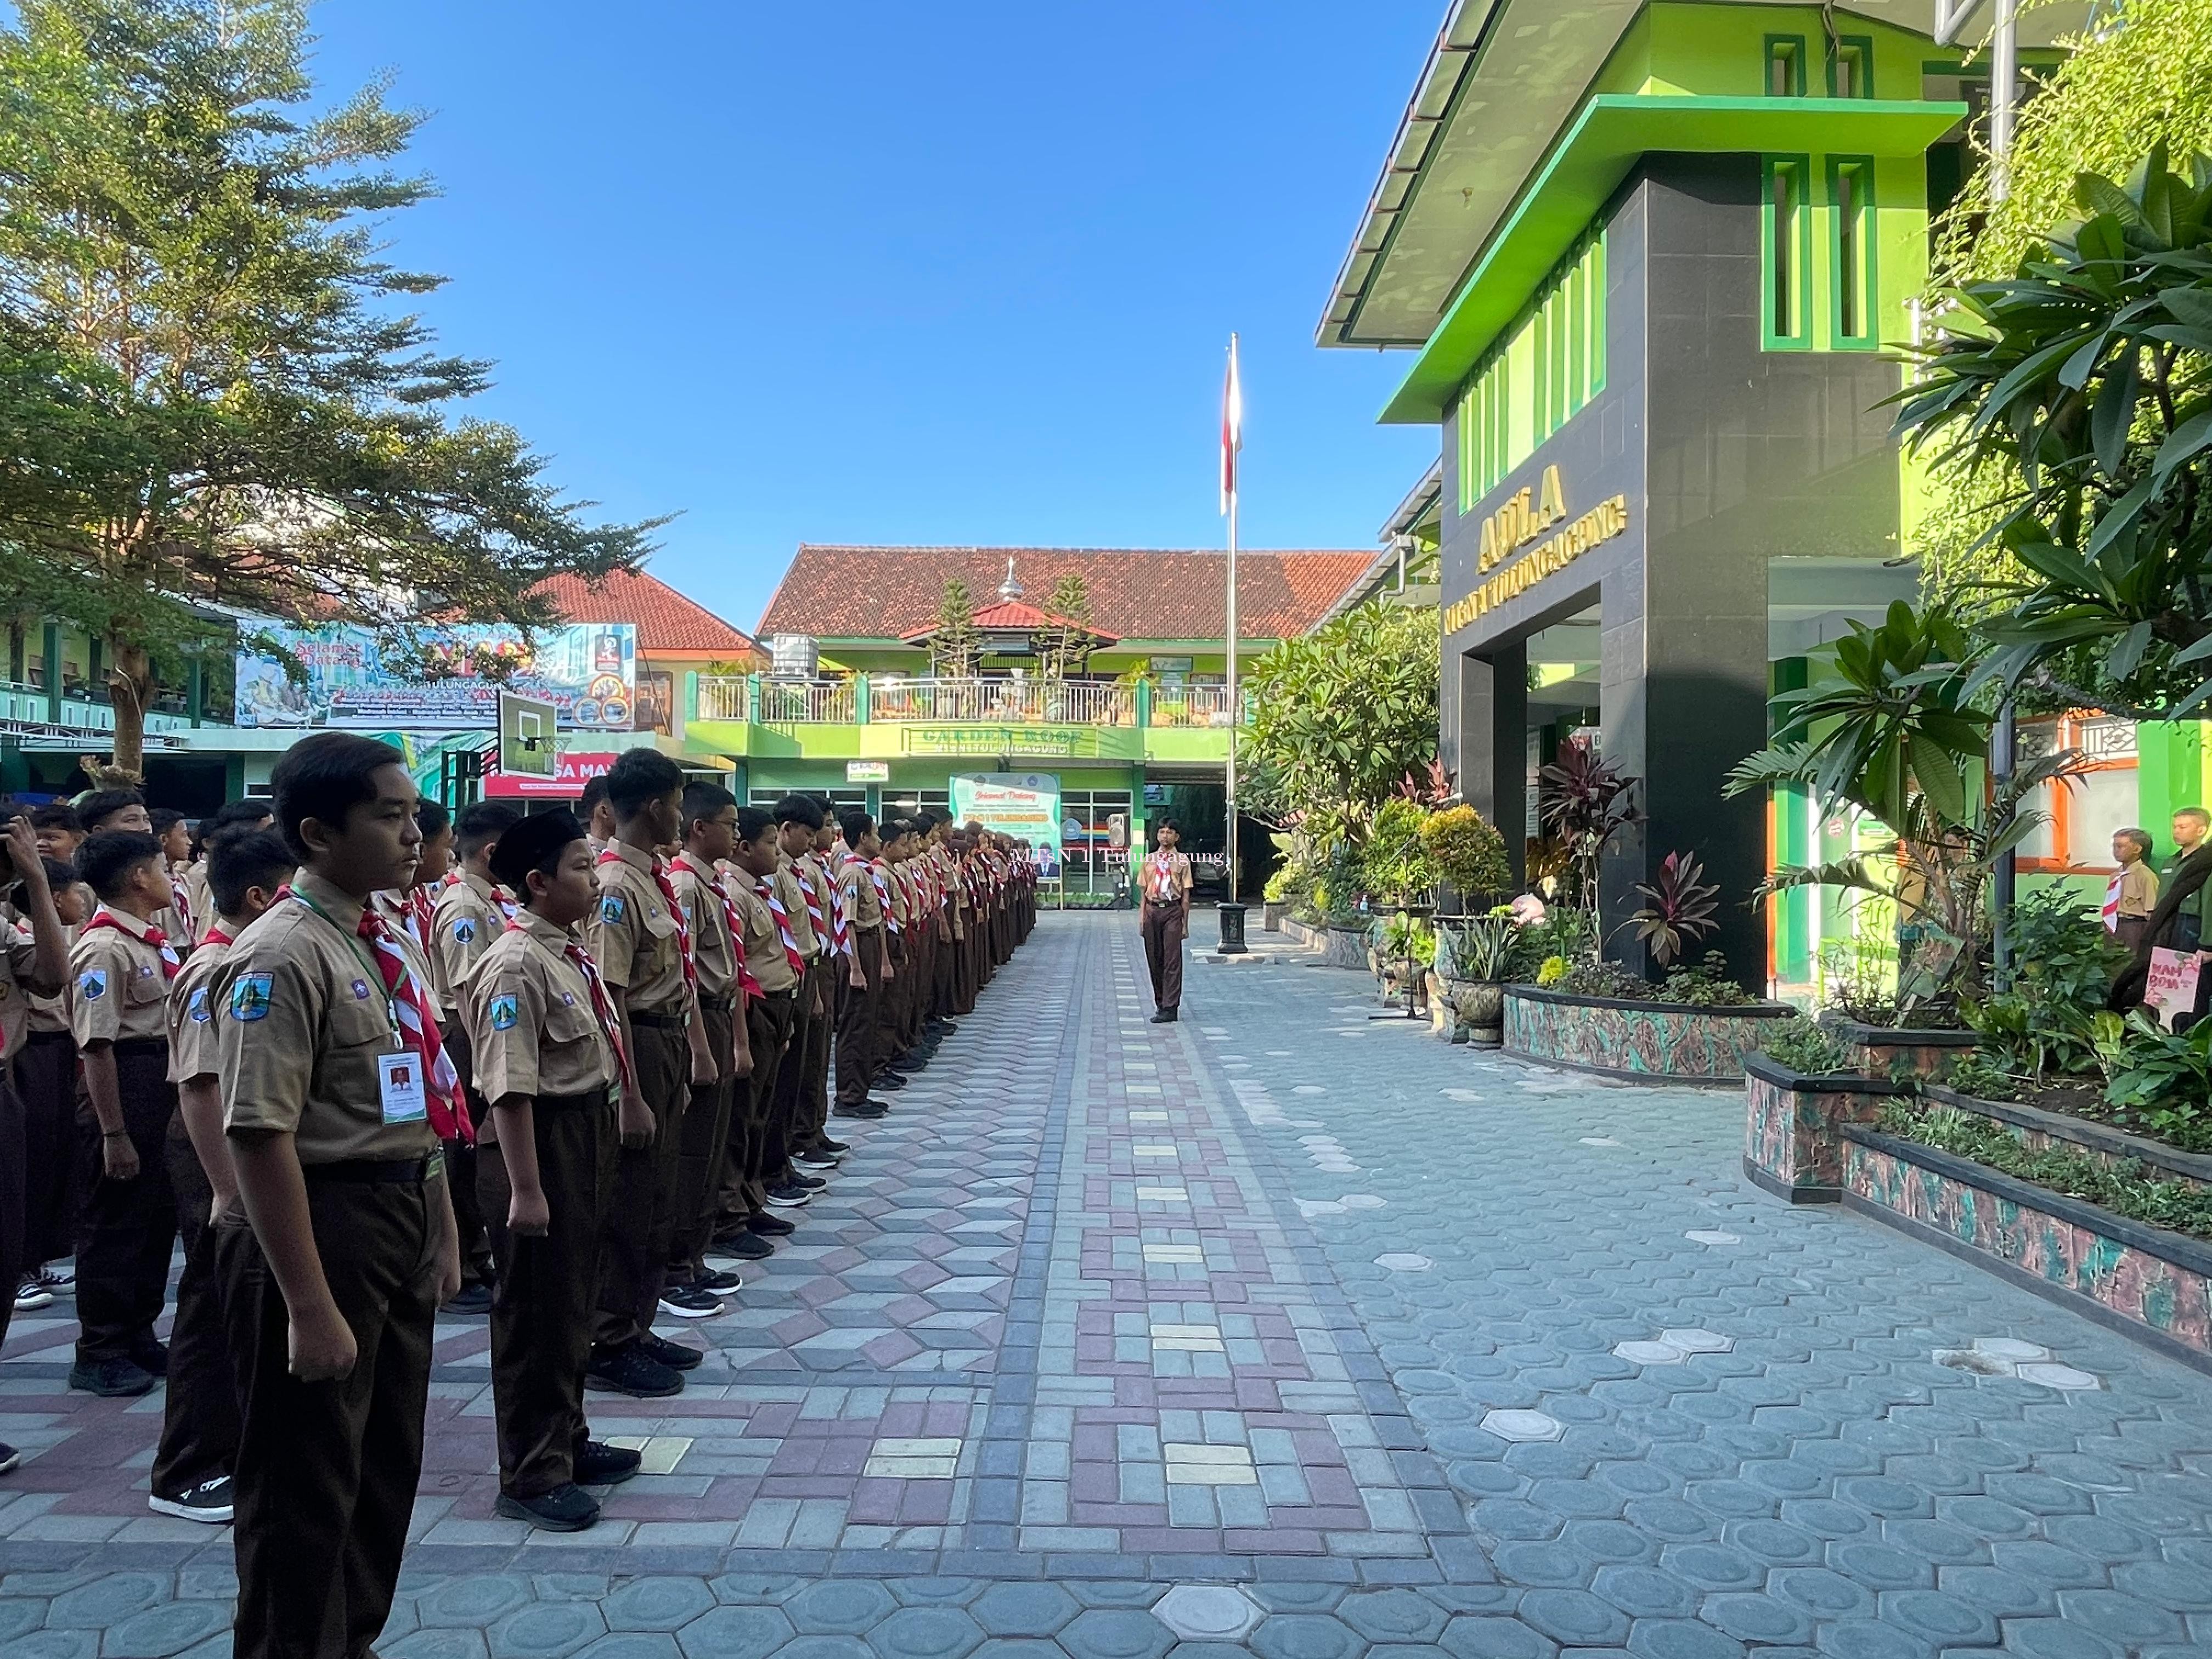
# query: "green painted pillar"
{"type": "Point", "coordinates": [53, 649]}
{"type": "Point", "coordinates": [876, 802]}
{"type": "Point", "coordinates": [196, 688]}
{"type": "Point", "coordinates": [1144, 703]}
{"type": "Point", "coordinates": [861, 718]}
{"type": "Point", "coordinates": [2171, 756]}
{"type": "Point", "coordinates": [690, 696]}
{"type": "Point", "coordinates": [1794, 930]}
{"type": "Point", "coordinates": [752, 699]}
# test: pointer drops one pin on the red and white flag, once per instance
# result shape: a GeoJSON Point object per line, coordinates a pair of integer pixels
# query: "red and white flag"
{"type": "Point", "coordinates": [1232, 426]}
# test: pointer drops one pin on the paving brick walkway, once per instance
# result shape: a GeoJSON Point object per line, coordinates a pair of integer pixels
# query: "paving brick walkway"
{"type": "Point", "coordinates": [1275, 1331]}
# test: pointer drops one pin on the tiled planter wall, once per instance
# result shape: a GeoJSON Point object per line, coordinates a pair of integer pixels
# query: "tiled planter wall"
{"type": "Point", "coordinates": [1664, 1041]}
{"type": "Point", "coordinates": [1793, 1142]}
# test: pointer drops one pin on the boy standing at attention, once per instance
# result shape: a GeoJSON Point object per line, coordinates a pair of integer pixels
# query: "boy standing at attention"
{"type": "Point", "coordinates": [120, 967]}
{"type": "Point", "coordinates": [548, 1063]}
{"type": "Point", "coordinates": [710, 818]}
{"type": "Point", "coordinates": [192, 1475]}
{"type": "Point", "coordinates": [335, 1100]}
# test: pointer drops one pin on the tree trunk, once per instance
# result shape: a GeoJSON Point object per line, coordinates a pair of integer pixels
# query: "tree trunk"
{"type": "Point", "coordinates": [130, 688]}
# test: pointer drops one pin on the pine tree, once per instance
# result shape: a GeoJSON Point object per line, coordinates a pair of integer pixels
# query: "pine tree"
{"type": "Point", "coordinates": [208, 404]}
{"type": "Point", "coordinates": [957, 644]}
{"type": "Point", "coordinates": [1069, 643]}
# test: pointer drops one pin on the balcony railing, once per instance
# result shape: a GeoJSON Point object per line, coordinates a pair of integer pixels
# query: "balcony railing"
{"type": "Point", "coordinates": [923, 701]}
{"type": "Point", "coordinates": [1002, 702]}
{"type": "Point", "coordinates": [1191, 705]}
{"type": "Point", "coordinates": [27, 707]}
{"type": "Point", "coordinates": [799, 702]}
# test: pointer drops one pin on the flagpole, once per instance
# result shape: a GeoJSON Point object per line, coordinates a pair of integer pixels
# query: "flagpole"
{"type": "Point", "coordinates": [1231, 914]}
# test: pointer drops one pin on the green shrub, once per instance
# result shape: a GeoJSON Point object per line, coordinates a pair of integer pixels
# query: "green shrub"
{"type": "Point", "coordinates": [1467, 852]}
{"type": "Point", "coordinates": [1804, 1048]}
{"type": "Point", "coordinates": [1395, 865]}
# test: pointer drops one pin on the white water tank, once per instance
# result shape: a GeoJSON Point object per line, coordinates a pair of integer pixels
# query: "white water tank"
{"type": "Point", "coordinates": [793, 656]}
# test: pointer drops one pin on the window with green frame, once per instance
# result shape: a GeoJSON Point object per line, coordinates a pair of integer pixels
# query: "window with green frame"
{"type": "Point", "coordinates": [1541, 373]}
{"type": "Point", "coordinates": [1851, 252]}
{"type": "Point", "coordinates": [1785, 66]}
{"type": "Point", "coordinates": [1851, 66]}
{"type": "Point", "coordinates": [1785, 254]}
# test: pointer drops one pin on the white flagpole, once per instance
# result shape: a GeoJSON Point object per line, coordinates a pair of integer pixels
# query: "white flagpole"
{"type": "Point", "coordinates": [1233, 418]}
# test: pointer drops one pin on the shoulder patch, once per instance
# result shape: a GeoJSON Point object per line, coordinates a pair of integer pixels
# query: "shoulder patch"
{"type": "Point", "coordinates": [361, 990]}
{"type": "Point", "coordinates": [613, 908]}
{"type": "Point", "coordinates": [249, 996]}
{"type": "Point", "coordinates": [91, 984]}
{"type": "Point", "coordinates": [464, 930]}
{"type": "Point", "coordinates": [504, 1013]}
{"type": "Point", "coordinates": [195, 1006]}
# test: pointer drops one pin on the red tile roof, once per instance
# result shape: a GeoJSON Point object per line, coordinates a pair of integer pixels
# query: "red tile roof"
{"type": "Point", "coordinates": [668, 624]}
{"type": "Point", "coordinates": [885, 592]}
{"type": "Point", "coordinates": [1011, 615]}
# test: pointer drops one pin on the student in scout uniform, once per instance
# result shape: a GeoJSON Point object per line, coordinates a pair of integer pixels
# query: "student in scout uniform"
{"type": "Point", "coordinates": [106, 809]}
{"type": "Point", "coordinates": [249, 814]}
{"type": "Point", "coordinates": [336, 1094]}
{"type": "Point", "coordinates": [60, 832]}
{"type": "Point", "coordinates": [1166, 919]}
{"type": "Point", "coordinates": [867, 968]}
{"type": "Point", "coordinates": [643, 947]}
{"type": "Point", "coordinates": [772, 958]}
{"type": "Point", "coordinates": [2189, 932]}
{"type": "Point", "coordinates": [712, 1121]}
{"type": "Point", "coordinates": [175, 835]}
{"type": "Point", "coordinates": [466, 914]}
{"type": "Point", "coordinates": [2132, 894]}
{"type": "Point", "coordinates": [192, 1473]}
{"type": "Point", "coordinates": [799, 918]}
{"type": "Point", "coordinates": [549, 1061]}
{"type": "Point", "coordinates": [34, 961]}
{"type": "Point", "coordinates": [598, 813]}
{"type": "Point", "coordinates": [120, 971]}
{"type": "Point", "coordinates": [42, 1061]}
{"type": "Point", "coordinates": [888, 1050]}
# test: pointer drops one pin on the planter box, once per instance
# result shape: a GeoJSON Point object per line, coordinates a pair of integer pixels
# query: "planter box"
{"type": "Point", "coordinates": [2037, 1129]}
{"type": "Point", "coordinates": [1793, 1143]}
{"type": "Point", "coordinates": [1344, 947]}
{"type": "Point", "coordinates": [1646, 1041]}
{"type": "Point", "coordinates": [1876, 1050]}
{"type": "Point", "coordinates": [2142, 1281]}
{"type": "Point", "coordinates": [1300, 931]}
{"type": "Point", "coordinates": [1271, 917]}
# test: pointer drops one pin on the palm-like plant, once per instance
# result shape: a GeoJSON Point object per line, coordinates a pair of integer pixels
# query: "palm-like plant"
{"type": "Point", "coordinates": [1682, 904]}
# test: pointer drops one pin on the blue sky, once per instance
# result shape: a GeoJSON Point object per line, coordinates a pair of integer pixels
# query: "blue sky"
{"type": "Point", "coordinates": [875, 272]}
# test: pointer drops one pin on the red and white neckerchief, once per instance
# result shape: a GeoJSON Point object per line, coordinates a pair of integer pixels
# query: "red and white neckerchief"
{"type": "Point", "coordinates": [418, 1022]}
{"type": "Point", "coordinates": [806, 873]}
{"type": "Point", "coordinates": [217, 937]}
{"type": "Point", "coordinates": [180, 901]}
{"type": "Point", "coordinates": [733, 918]}
{"type": "Point", "coordinates": [146, 934]}
{"type": "Point", "coordinates": [661, 879]}
{"type": "Point", "coordinates": [422, 902]}
{"type": "Point", "coordinates": [1159, 877]}
{"type": "Point", "coordinates": [602, 1003]}
{"type": "Point", "coordinates": [499, 898]}
{"type": "Point", "coordinates": [782, 914]}
{"type": "Point", "coordinates": [2109, 909]}
{"type": "Point", "coordinates": [877, 875]}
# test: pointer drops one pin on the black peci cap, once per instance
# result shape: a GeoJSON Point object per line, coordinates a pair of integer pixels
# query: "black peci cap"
{"type": "Point", "coordinates": [529, 845]}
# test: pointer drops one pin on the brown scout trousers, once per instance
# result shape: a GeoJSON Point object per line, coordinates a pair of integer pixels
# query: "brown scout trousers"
{"type": "Point", "coordinates": [856, 1020]}
{"type": "Point", "coordinates": [461, 1162]}
{"type": "Point", "coordinates": [890, 1006]}
{"type": "Point", "coordinates": [793, 1113]}
{"type": "Point", "coordinates": [541, 1310]}
{"type": "Point", "coordinates": [199, 1411]}
{"type": "Point", "coordinates": [768, 1028]}
{"type": "Point", "coordinates": [1163, 926]}
{"type": "Point", "coordinates": [814, 1059]}
{"type": "Point", "coordinates": [45, 1080]}
{"type": "Point", "coordinates": [641, 1209]}
{"type": "Point", "coordinates": [326, 1471]}
{"type": "Point", "coordinates": [14, 1177]}
{"type": "Point", "coordinates": [704, 1159]}
{"type": "Point", "coordinates": [129, 1226]}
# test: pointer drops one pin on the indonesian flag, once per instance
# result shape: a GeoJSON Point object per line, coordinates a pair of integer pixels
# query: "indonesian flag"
{"type": "Point", "coordinates": [1232, 426]}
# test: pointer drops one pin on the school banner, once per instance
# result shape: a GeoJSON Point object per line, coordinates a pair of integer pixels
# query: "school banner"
{"type": "Point", "coordinates": [1022, 805]}
{"type": "Point", "coordinates": [587, 671]}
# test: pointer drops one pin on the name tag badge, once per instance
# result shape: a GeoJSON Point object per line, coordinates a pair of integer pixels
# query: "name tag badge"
{"type": "Point", "coordinates": [399, 1088]}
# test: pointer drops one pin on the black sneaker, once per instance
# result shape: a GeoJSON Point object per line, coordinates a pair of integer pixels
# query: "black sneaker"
{"type": "Point", "coordinates": [688, 1302]}
{"type": "Point", "coordinates": [209, 1502]}
{"type": "Point", "coordinates": [565, 1509]}
{"type": "Point", "coordinates": [741, 1246]}
{"type": "Point", "coordinates": [814, 1159]}
{"type": "Point", "coordinates": [674, 1355]}
{"type": "Point", "coordinates": [112, 1379]}
{"type": "Point", "coordinates": [810, 1183]}
{"type": "Point", "coordinates": [601, 1465]}
{"type": "Point", "coordinates": [890, 1081]}
{"type": "Point", "coordinates": [1165, 1016]}
{"type": "Point", "coordinates": [871, 1110]}
{"type": "Point", "coordinates": [31, 1295]}
{"type": "Point", "coordinates": [770, 1226]}
{"type": "Point", "coordinates": [721, 1283]}
{"type": "Point", "coordinates": [834, 1148]}
{"type": "Point", "coordinates": [473, 1298]}
{"type": "Point", "coordinates": [633, 1371]}
{"type": "Point", "coordinates": [150, 1354]}
{"type": "Point", "coordinates": [789, 1196]}
{"type": "Point", "coordinates": [10, 1459]}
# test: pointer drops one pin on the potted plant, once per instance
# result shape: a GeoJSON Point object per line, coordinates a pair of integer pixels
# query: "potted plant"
{"type": "Point", "coordinates": [1479, 959]}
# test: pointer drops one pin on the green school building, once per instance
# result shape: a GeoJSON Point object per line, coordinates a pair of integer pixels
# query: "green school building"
{"type": "Point", "coordinates": [1650, 269]}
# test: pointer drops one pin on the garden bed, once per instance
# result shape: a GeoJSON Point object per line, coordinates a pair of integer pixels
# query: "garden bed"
{"type": "Point", "coordinates": [2144, 1281]}
{"type": "Point", "coordinates": [1892, 1051]}
{"type": "Point", "coordinates": [1793, 1121]}
{"type": "Point", "coordinates": [1340, 947]}
{"type": "Point", "coordinates": [2038, 1126]}
{"type": "Point", "coordinates": [1643, 1040]}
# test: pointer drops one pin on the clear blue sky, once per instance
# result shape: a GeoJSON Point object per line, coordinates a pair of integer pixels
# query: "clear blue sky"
{"type": "Point", "coordinates": [877, 272]}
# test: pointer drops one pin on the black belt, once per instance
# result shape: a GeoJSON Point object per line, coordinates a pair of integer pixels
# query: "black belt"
{"type": "Point", "coordinates": [140, 1045]}
{"type": "Point", "coordinates": [778, 996]}
{"type": "Point", "coordinates": [660, 1022]}
{"type": "Point", "coordinates": [48, 1037]}
{"type": "Point", "coordinates": [591, 1100]}
{"type": "Point", "coordinates": [716, 1004]}
{"type": "Point", "coordinates": [373, 1171]}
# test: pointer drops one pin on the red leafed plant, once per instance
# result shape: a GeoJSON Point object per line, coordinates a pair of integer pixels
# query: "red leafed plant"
{"type": "Point", "coordinates": [1681, 908]}
{"type": "Point", "coordinates": [1430, 788]}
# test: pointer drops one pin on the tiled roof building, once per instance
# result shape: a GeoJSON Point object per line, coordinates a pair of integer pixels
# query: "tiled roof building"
{"type": "Point", "coordinates": [669, 625]}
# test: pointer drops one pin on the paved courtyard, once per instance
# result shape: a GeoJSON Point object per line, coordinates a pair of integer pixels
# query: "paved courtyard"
{"type": "Point", "coordinates": [1276, 1330]}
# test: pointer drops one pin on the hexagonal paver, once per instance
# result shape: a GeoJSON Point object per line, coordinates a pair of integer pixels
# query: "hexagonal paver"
{"type": "Point", "coordinates": [1404, 1261]}
{"type": "Point", "coordinates": [160, 1631]}
{"type": "Point", "coordinates": [107, 1600]}
{"type": "Point", "coordinates": [633, 1644]}
{"type": "Point", "coordinates": [437, 1644]}
{"type": "Point", "coordinates": [549, 1630]}
{"type": "Point", "coordinates": [1489, 1636]}
{"type": "Point", "coordinates": [1392, 1616]}
{"type": "Point", "coordinates": [473, 1602]}
{"type": "Point", "coordinates": [2067, 1378]}
{"type": "Point", "coordinates": [1024, 1609]}
{"type": "Point", "coordinates": [2010, 1349]}
{"type": "Point", "coordinates": [735, 1633]}
{"type": "Point", "coordinates": [1703, 1236]}
{"type": "Point", "coordinates": [659, 1603]}
{"type": "Point", "coordinates": [1123, 1633]}
{"type": "Point", "coordinates": [1575, 1617]}
{"type": "Point", "coordinates": [1523, 1426]}
{"type": "Point", "coordinates": [1697, 1341]}
{"type": "Point", "coordinates": [850, 1607]}
{"type": "Point", "coordinates": [1212, 1613]}
{"type": "Point", "coordinates": [1649, 1353]}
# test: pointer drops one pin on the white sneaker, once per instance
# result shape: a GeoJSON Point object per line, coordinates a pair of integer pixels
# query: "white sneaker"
{"type": "Point", "coordinates": [31, 1296]}
{"type": "Point", "coordinates": [209, 1502]}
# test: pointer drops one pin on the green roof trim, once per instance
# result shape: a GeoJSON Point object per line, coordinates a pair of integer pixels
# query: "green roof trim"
{"type": "Point", "coordinates": [1612, 131]}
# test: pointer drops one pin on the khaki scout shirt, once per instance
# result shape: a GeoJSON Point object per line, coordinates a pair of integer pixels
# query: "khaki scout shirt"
{"type": "Point", "coordinates": [301, 1020]}
{"type": "Point", "coordinates": [465, 922]}
{"type": "Point", "coordinates": [17, 955]}
{"type": "Point", "coordinates": [191, 1012]}
{"type": "Point", "coordinates": [789, 889]}
{"type": "Point", "coordinates": [633, 936]}
{"type": "Point", "coordinates": [856, 891]}
{"type": "Point", "coordinates": [198, 896]}
{"type": "Point", "coordinates": [763, 943]}
{"type": "Point", "coordinates": [118, 992]}
{"type": "Point", "coordinates": [532, 1025]}
{"type": "Point", "coordinates": [713, 949]}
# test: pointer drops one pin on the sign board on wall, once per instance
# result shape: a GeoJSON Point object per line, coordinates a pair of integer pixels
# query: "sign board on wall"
{"type": "Point", "coordinates": [587, 671]}
{"type": "Point", "coordinates": [572, 770]}
{"type": "Point", "coordinates": [1022, 805]}
{"type": "Point", "coordinates": [868, 771]}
